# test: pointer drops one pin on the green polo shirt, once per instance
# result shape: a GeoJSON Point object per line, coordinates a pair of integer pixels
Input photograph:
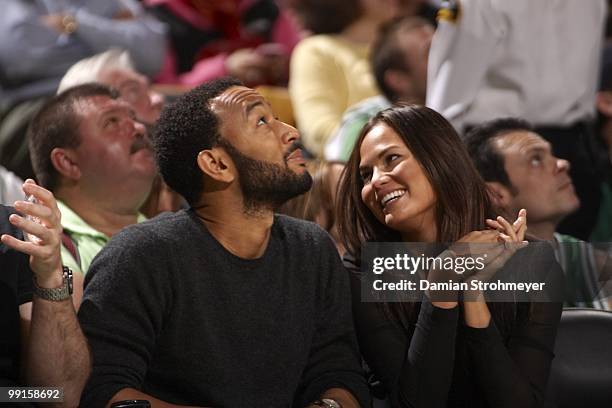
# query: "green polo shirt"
{"type": "Point", "coordinates": [88, 240]}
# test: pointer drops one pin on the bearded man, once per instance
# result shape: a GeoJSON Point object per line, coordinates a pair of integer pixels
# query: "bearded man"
{"type": "Point", "coordinates": [226, 303]}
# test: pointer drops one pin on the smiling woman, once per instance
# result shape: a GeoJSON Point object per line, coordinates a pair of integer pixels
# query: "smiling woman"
{"type": "Point", "coordinates": [410, 179]}
{"type": "Point", "coordinates": [415, 149]}
{"type": "Point", "coordinates": [395, 188]}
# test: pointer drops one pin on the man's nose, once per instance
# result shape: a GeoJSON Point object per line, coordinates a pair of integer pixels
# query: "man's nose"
{"type": "Point", "coordinates": [289, 134]}
{"type": "Point", "coordinates": [138, 128]}
{"type": "Point", "coordinates": [157, 99]}
{"type": "Point", "coordinates": [563, 165]}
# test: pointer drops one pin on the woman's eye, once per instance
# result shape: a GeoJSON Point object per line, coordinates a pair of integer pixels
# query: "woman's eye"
{"type": "Point", "coordinates": [262, 121]}
{"type": "Point", "coordinates": [391, 158]}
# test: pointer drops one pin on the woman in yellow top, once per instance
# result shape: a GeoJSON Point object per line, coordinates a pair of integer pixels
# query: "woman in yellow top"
{"type": "Point", "coordinates": [330, 70]}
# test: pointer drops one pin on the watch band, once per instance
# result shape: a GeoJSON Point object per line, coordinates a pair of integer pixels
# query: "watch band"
{"type": "Point", "coordinates": [56, 294]}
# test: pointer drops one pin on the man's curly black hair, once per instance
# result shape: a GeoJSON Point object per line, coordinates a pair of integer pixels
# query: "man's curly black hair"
{"type": "Point", "coordinates": [185, 128]}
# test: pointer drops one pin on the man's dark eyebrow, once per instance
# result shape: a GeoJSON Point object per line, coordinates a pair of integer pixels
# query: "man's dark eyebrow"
{"type": "Point", "coordinates": [114, 110]}
{"type": "Point", "coordinates": [129, 82]}
{"type": "Point", "coordinates": [252, 106]}
{"type": "Point", "coordinates": [537, 148]}
{"type": "Point", "coordinates": [110, 111]}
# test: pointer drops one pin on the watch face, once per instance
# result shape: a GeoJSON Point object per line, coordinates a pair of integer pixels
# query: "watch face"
{"type": "Point", "coordinates": [330, 403]}
{"type": "Point", "coordinates": [327, 403]}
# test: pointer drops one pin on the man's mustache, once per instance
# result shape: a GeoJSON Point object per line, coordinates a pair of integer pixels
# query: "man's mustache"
{"type": "Point", "coordinates": [141, 142]}
{"type": "Point", "coordinates": [294, 146]}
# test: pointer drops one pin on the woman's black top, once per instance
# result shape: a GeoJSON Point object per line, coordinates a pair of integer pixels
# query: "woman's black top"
{"type": "Point", "coordinates": [438, 361]}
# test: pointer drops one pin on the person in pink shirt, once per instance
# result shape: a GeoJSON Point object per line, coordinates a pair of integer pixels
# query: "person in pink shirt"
{"type": "Point", "coordinates": [248, 39]}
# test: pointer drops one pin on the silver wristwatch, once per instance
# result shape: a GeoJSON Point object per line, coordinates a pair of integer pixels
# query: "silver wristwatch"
{"type": "Point", "coordinates": [56, 294]}
{"type": "Point", "coordinates": [327, 403]}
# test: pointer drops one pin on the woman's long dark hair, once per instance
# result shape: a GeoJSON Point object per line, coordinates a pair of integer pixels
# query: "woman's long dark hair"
{"type": "Point", "coordinates": [462, 202]}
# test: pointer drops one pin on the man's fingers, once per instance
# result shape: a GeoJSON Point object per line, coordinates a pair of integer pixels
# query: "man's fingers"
{"type": "Point", "coordinates": [45, 209]}
{"type": "Point", "coordinates": [21, 246]}
{"type": "Point", "coordinates": [13, 242]}
{"type": "Point", "coordinates": [33, 228]}
{"type": "Point", "coordinates": [42, 253]}
{"type": "Point", "coordinates": [35, 210]}
{"type": "Point", "coordinates": [41, 194]}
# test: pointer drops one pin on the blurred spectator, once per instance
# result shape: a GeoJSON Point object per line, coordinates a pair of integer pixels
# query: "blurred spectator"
{"type": "Point", "coordinates": [89, 151]}
{"type": "Point", "coordinates": [319, 203]}
{"type": "Point", "coordinates": [399, 62]}
{"type": "Point", "coordinates": [536, 60]}
{"type": "Point", "coordinates": [522, 172]}
{"type": "Point", "coordinates": [603, 228]}
{"type": "Point", "coordinates": [248, 39]}
{"type": "Point", "coordinates": [609, 22]}
{"type": "Point", "coordinates": [604, 100]}
{"type": "Point", "coordinates": [330, 70]}
{"type": "Point", "coordinates": [115, 69]}
{"type": "Point", "coordinates": [42, 39]}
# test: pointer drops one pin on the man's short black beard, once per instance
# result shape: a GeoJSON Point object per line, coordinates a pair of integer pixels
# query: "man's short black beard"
{"type": "Point", "coordinates": [265, 185]}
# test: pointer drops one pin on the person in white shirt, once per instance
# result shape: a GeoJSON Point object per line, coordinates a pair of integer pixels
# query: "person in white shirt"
{"type": "Point", "coordinates": [537, 60]}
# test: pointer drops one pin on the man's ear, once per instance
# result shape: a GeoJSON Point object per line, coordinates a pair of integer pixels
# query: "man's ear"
{"type": "Point", "coordinates": [604, 103]}
{"type": "Point", "coordinates": [214, 163]}
{"type": "Point", "coordinates": [500, 195]}
{"type": "Point", "coordinates": [65, 163]}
